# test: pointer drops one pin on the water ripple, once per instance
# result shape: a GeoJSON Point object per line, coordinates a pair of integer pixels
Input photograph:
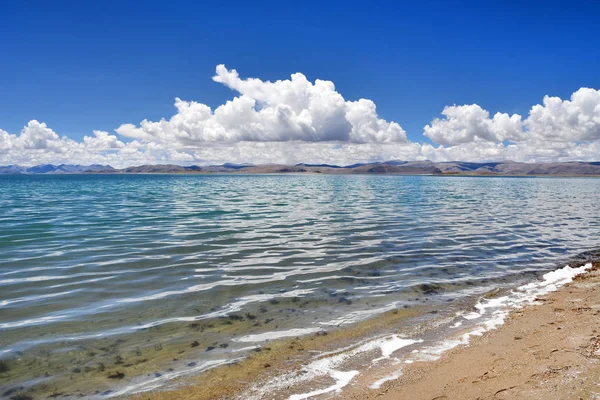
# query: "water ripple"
{"type": "Point", "coordinates": [88, 257]}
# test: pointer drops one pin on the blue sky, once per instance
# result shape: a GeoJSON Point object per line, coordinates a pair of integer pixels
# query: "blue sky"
{"type": "Point", "coordinates": [83, 66]}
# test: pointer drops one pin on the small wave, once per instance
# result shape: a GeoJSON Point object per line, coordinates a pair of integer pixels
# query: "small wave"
{"type": "Point", "coordinates": [262, 337]}
{"type": "Point", "coordinates": [29, 322]}
{"type": "Point", "coordinates": [159, 380]}
{"type": "Point", "coordinates": [35, 298]}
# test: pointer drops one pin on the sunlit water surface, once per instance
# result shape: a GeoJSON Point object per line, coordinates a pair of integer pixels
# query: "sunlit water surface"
{"type": "Point", "coordinates": [106, 273]}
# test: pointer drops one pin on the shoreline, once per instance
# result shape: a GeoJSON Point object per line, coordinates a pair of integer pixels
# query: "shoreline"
{"type": "Point", "coordinates": [550, 349]}
{"type": "Point", "coordinates": [405, 369]}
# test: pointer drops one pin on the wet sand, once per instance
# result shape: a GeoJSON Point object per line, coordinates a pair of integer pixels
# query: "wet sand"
{"type": "Point", "coordinates": [546, 351]}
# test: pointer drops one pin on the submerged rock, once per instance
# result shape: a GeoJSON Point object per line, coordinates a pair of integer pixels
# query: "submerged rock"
{"type": "Point", "coordinates": [117, 375]}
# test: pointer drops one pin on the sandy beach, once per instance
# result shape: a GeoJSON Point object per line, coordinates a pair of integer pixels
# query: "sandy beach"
{"type": "Point", "coordinates": [547, 350]}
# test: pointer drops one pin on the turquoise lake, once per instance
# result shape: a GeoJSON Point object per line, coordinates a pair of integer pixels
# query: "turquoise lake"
{"type": "Point", "coordinates": [120, 272]}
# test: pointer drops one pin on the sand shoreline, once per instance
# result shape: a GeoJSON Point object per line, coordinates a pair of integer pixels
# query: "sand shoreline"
{"type": "Point", "coordinates": [547, 350]}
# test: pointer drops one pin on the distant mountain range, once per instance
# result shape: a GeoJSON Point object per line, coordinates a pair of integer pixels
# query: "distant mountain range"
{"type": "Point", "coordinates": [55, 169]}
{"type": "Point", "coordinates": [388, 167]}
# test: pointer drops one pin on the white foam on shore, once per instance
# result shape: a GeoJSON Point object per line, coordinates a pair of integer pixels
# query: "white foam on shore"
{"type": "Point", "coordinates": [394, 343]}
{"type": "Point", "coordinates": [341, 379]}
{"type": "Point", "coordinates": [493, 313]}
{"type": "Point", "coordinates": [330, 365]}
{"type": "Point", "coordinates": [377, 384]}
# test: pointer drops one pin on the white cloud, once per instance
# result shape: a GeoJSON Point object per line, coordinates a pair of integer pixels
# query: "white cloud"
{"type": "Point", "coordinates": [38, 144]}
{"type": "Point", "coordinates": [285, 110]}
{"type": "Point", "coordinates": [556, 120]}
{"type": "Point", "coordinates": [471, 123]}
{"type": "Point", "coordinates": [36, 135]}
{"type": "Point", "coordinates": [557, 130]}
{"type": "Point", "coordinates": [102, 141]}
{"type": "Point", "coordinates": [295, 120]}
{"type": "Point", "coordinates": [7, 141]}
{"type": "Point", "coordinates": [560, 120]}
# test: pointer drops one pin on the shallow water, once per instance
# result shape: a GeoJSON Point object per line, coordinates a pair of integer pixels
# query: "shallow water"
{"type": "Point", "coordinates": [151, 275]}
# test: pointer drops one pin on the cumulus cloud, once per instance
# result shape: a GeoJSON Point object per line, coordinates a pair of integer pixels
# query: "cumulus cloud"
{"type": "Point", "coordinates": [37, 144]}
{"type": "Point", "coordinates": [557, 120]}
{"type": "Point", "coordinates": [295, 120]}
{"type": "Point", "coordinates": [560, 120]}
{"type": "Point", "coordinates": [471, 123]}
{"type": "Point", "coordinates": [285, 110]}
{"type": "Point", "coordinates": [557, 130]}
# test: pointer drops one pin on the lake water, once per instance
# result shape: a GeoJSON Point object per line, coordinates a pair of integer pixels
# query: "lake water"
{"type": "Point", "coordinates": [151, 275]}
